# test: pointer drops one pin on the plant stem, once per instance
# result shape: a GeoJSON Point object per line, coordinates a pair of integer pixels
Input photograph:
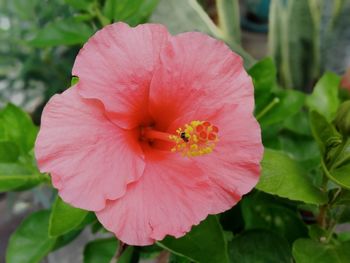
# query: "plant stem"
{"type": "Point", "coordinates": [267, 108]}
{"type": "Point", "coordinates": [121, 248]}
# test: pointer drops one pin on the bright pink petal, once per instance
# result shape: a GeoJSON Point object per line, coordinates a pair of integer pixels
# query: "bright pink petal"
{"type": "Point", "coordinates": [197, 71]}
{"type": "Point", "coordinates": [116, 66]}
{"type": "Point", "coordinates": [90, 159]}
{"type": "Point", "coordinates": [170, 197]}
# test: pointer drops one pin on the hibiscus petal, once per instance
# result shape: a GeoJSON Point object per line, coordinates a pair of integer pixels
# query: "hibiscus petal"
{"type": "Point", "coordinates": [90, 158]}
{"type": "Point", "coordinates": [197, 71]}
{"type": "Point", "coordinates": [170, 197]}
{"type": "Point", "coordinates": [116, 66]}
{"type": "Point", "coordinates": [234, 164]}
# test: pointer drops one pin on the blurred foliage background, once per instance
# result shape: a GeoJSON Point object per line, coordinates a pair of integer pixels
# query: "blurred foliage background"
{"type": "Point", "coordinates": [297, 105]}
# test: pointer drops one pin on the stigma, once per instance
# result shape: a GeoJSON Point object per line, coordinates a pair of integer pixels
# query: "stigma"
{"type": "Point", "coordinates": [195, 139]}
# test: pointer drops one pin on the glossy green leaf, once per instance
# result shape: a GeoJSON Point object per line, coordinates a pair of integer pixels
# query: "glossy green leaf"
{"type": "Point", "coordinates": [261, 212]}
{"type": "Point", "coordinates": [287, 103]}
{"type": "Point", "coordinates": [18, 127]}
{"type": "Point", "coordinates": [62, 32]}
{"type": "Point", "coordinates": [103, 250]}
{"type": "Point", "coordinates": [310, 251]}
{"type": "Point", "coordinates": [205, 243]}
{"type": "Point", "coordinates": [64, 218]}
{"type": "Point", "coordinates": [14, 176]}
{"type": "Point", "coordinates": [284, 177]}
{"type": "Point", "coordinates": [259, 246]}
{"type": "Point", "coordinates": [324, 99]}
{"type": "Point", "coordinates": [30, 242]}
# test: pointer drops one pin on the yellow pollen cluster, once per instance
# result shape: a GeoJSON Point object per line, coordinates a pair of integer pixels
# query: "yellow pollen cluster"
{"type": "Point", "coordinates": [195, 139]}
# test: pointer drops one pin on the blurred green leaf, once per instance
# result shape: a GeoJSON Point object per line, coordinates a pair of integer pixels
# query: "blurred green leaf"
{"type": "Point", "coordinates": [259, 246]}
{"type": "Point", "coordinates": [229, 18]}
{"type": "Point", "coordinates": [298, 123]}
{"type": "Point", "coordinates": [62, 32]}
{"type": "Point", "coordinates": [287, 103]}
{"type": "Point", "coordinates": [18, 127]}
{"type": "Point", "coordinates": [263, 74]}
{"type": "Point", "coordinates": [9, 152]}
{"type": "Point", "coordinates": [64, 218]}
{"type": "Point", "coordinates": [260, 212]}
{"type": "Point", "coordinates": [30, 242]}
{"type": "Point", "coordinates": [284, 177]}
{"type": "Point", "coordinates": [205, 243]}
{"type": "Point", "coordinates": [103, 250]}
{"type": "Point", "coordinates": [74, 81]}
{"type": "Point", "coordinates": [324, 99]}
{"type": "Point", "coordinates": [291, 44]}
{"type": "Point", "coordinates": [310, 251]}
{"type": "Point", "coordinates": [14, 176]}
{"type": "Point", "coordinates": [80, 4]}
{"type": "Point", "coordinates": [131, 11]}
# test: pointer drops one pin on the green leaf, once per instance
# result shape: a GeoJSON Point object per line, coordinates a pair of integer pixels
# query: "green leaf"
{"type": "Point", "coordinates": [80, 4]}
{"type": "Point", "coordinates": [103, 250]}
{"type": "Point", "coordinates": [204, 243]}
{"type": "Point", "coordinates": [18, 127]}
{"type": "Point", "coordinates": [14, 176]}
{"type": "Point", "coordinates": [64, 218]}
{"type": "Point", "coordinates": [229, 18]}
{"type": "Point", "coordinates": [62, 32]}
{"type": "Point", "coordinates": [259, 246]}
{"type": "Point", "coordinates": [298, 123]}
{"type": "Point", "coordinates": [9, 152]}
{"type": "Point", "coordinates": [133, 12]}
{"type": "Point", "coordinates": [289, 102]}
{"type": "Point", "coordinates": [324, 133]}
{"type": "Point", "coordinates": [262, 212]}
{"type": "Point", "coordinates": [100, 250]}
{"type": "Point", "coordinates": [30, 242]}
{"type": "Point", "coordinates": [74, 80]}
{"type": "Point", "coordinates": [284, 177]}
{"type": "Point", "coordinates": [291, 42]}
{"type": "Point", "coordinates": [324, 99]}
{"type": "Point", "coordinates": [338, 168]}
{"type": "Point", "coordinates": [263, 74]}
{"type": "Point", "coordinates": [310, 251]}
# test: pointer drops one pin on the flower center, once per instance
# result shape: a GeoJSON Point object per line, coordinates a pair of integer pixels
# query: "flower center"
{"type": "Point", "coordinates": [193, 139]}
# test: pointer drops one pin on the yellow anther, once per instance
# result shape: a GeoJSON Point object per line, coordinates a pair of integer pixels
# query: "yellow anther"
{"type": "Point", "coordinates": [195, 139]}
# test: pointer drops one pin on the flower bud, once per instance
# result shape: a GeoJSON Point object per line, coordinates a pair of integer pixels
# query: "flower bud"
{"type": "Point", "coordinates": [342, 119]}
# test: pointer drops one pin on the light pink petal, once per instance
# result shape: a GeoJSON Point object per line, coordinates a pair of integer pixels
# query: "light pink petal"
{"type": "Point", "coordinates": [90, 159]}
{"type": "Point", "coordinates": [197, 71]}
{"type": "Point", "coordinates": [170, 197]}
{"type": "Point", "coordinates": [116, 66]}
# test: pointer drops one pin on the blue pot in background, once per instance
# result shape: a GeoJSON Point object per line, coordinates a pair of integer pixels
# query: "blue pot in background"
{"type": "Point", "coordinates": [256, 15]}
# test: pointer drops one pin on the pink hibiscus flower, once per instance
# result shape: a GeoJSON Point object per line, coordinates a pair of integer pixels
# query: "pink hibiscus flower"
{"type": "Point", "coordinates": [157, 134]}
